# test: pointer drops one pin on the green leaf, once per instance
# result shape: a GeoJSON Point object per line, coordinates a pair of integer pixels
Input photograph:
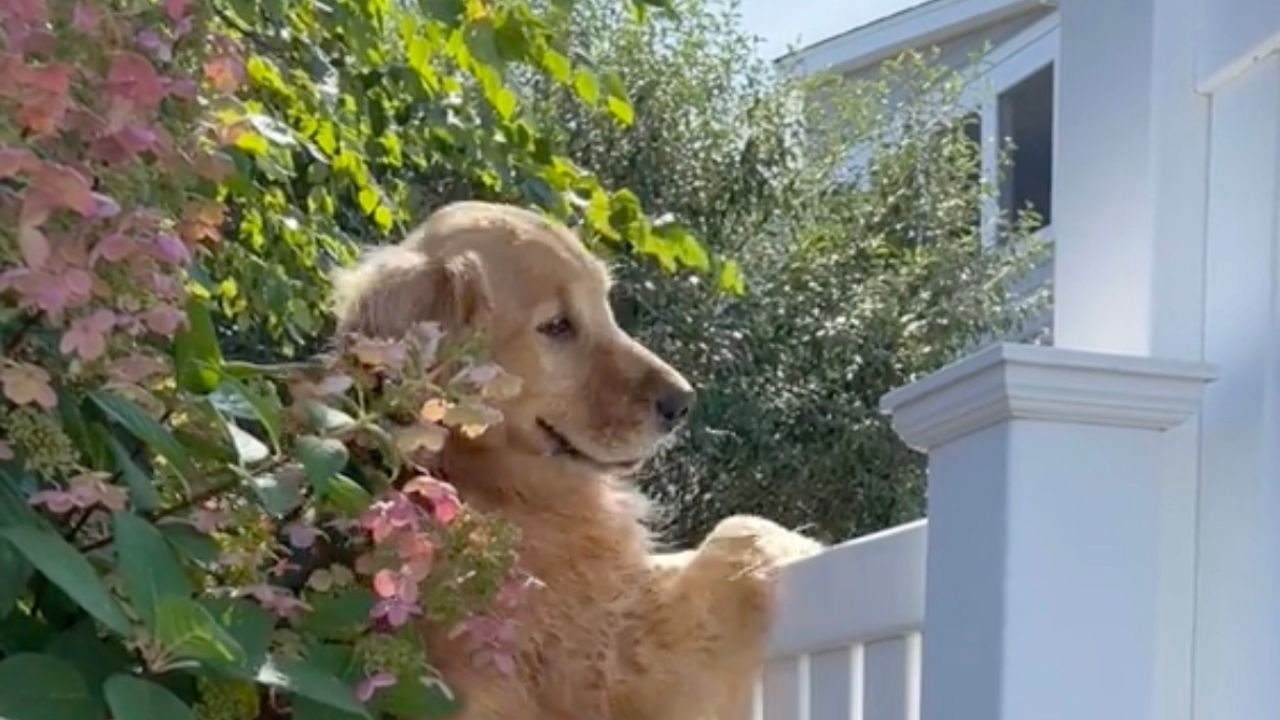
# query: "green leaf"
{"type": "Point", "coordinates": [248, 624]}
{"type": "Point", "coordinates": [483, 43]}
{"type": "Point", "coordinates": [249, 449]}
{"type": "Point", "coordinates": [264, 404]}
{"type": "Point", "coordinates": [15, 571]}
{"type": "Point", "coordinates": [79, 430]}
{"type": "Point", "coordinates": [447, 11]}
{"type": "Point", "coordinates": [67, 568]}
{"type": "Point", "coordinates": [278, 492]}
{"type": "Point", "coordinates": [368, 199]}
{"type": "Point", "coordinates": [304, 709]}
{"type": "Point", "coordinates": [338, 617]}
{"type": "Point", "coordinates": [142, 490]}
{"type": "Point", "coordinates": [148, 565]}
{"type": "Point", "coordinates": [689, 251]}
{"type": "Point", "coordinates": [21, 632]}
{"type": "Point", "coordinates": [409, 698]}
{"type": "Point", "coordinates": [190, 542]}
{"type": "Point", "coordinates": [42, 687]}
{"type": "Point", "coordinates": [557, 66]}
{"type": "Point", "coordinates": [587, 86]}
{"type": "Point", "coordinates": [93, 657]}
{"type": "Point", "coordinates": [325, 418]}
{"type": "Point", "coordinates": [347, 495]}
{"type": "Point", "coordinates": [730, 279]}
{"type": "Point", "coordinates": [132, 698]}
{"type": "Point", "coordinates": [322, 459]}
{"type": "Point", "coordinates": [196, 355]}
{"type": "Point", "coordinates": [185, 628]}
{"type": "Point", "coordinates": [145, 428]}
{"type": "Point", "coordinates": [504, 102]}
{"type": "Point", "coordinates": [620, 109]}
{"type": "Point", "coordinates": [302, 678]}
{"type": "Point", "coordinates": [252, 142]}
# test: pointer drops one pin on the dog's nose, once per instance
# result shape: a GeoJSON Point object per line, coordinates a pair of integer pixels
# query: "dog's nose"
{"type": "Point", "coordinates": [673, 405]}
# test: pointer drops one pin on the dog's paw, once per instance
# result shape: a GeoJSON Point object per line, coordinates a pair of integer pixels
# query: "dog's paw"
{"type": "Point", "coordinates": [757, 544]}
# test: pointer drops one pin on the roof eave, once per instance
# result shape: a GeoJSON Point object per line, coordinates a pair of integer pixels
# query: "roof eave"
{"type": "Point", "coordinates": [923, 24]}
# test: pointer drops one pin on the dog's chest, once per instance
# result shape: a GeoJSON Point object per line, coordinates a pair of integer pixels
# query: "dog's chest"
{"type": "Point", "coordinates": [571, 628]}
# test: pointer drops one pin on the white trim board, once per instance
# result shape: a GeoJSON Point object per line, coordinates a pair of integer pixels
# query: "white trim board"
{"type": "Point", "coordinates": [921, 25]}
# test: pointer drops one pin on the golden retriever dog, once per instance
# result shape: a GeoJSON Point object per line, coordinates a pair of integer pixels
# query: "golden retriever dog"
{"type": "Point", "coordinates": [616, 632]}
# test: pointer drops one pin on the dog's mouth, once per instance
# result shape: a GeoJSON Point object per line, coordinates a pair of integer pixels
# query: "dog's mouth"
{"type": "Point", "coordinates": [562, 447]}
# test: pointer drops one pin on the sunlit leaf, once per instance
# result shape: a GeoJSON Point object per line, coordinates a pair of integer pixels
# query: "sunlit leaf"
{"type": "Point", "coordinates": [730, 278]}
{"type": "Point", "coordinates": [197, 356]}
{"type": "Point", "coordinates": [587, 86]}
{"type": "Point", "coordinates": [186, 629]}
{"type": "Point", "coordinates": [311, 682]}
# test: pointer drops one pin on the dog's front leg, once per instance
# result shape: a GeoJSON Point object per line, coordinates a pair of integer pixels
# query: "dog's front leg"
{"type": "Point", "coordinates": [701, 641]}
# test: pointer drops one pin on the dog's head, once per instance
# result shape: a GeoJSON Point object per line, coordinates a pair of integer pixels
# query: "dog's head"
{"type": "Point", "coordinates": [591, 395]}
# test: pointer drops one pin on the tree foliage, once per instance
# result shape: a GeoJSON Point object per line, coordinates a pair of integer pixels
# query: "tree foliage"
{"type": "Point", "coordinates": [360, 116]}
{"type": "Point", "coordinates": [853, 207]}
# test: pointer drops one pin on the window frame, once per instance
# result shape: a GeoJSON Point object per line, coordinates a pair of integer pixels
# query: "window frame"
{"type": "Point", "coordinates": [1008, 64]}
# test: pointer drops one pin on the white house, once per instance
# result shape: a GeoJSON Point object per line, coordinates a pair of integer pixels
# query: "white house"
{"type": "Point", "coordinates": [1012, 92]}
{"type": "Point", "coordinates": [1103, 538]}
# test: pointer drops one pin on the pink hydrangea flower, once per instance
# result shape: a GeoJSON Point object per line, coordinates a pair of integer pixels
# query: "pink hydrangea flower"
{"type": "Point", "coordinates": [395, 612]}
{"type": "Point", "coordinates": [104, 207]}
{"type": "Point", "coordinates": [86, 18]}
{"type": "Point", "coordinates": [87, 336]}
{"type": "Point", "coordinates": [224, 72]}
{"type": "Point", "coordinates": [56, 187]}
{"type": "Point", "coordinates": [164, 320]}
{"type": "Point", "coordinates": [27, 384]}
{"type": "Point", "coordinates": [372, 684]}
{"type": "Point", "coordinates": [14, 161]}
{"type": "Point", "coordinates": [402, 586]}
{"type": "Point", "coordinates": [44, 94]}
{"type": "Point", "coordinates": [169, 248]}
{"type": "Point", "coordinates": [86, 490]}
{"type": "Point", "coordinates": [113, 247]}
{"type": "Point", "coordinates": [157, 46]}
{"type": "Point", "coordinates": [491, 640]}
{"type": "Point", "coordinates": [384, 517]}
{"type": "Point", "coordinates": [175, 9]}
{"type": "Point", "coordinates": [276, 599]}
{"type": "Point", "coordinates": [208, 520]}
{"type": "Point", "coordinates": [441, 497]}
{"type": "Point", "coordinates": [133, 81]}
{"type": "Point", "coordinates": [302, 535]}
{"type": "Point", "coordinates": [379, 353]}
{"type": "Point", "coordinates": [135, 369]}
{"type": "Point", "coordinates": [282, 567]}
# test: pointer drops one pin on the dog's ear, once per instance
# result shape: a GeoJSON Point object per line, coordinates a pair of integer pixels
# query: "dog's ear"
{"type": "Point", "coordinates": [395, 288]}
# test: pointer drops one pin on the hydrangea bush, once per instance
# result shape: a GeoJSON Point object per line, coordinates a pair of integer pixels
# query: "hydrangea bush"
{"type": "Point", "coordinates": [183, 535]}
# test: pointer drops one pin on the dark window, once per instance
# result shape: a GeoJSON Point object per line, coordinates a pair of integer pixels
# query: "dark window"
{"type": "Point", "coordinates": [1026, 122]}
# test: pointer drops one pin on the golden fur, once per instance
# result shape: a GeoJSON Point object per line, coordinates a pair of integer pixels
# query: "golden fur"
{"type": "Point", "coordinates": [617, 632]}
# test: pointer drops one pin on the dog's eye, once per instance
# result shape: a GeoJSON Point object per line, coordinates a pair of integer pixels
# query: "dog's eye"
{"type": "Point", "coordinates": [561, 328]}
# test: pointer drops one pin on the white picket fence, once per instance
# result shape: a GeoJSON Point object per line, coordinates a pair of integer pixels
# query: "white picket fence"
{"type": "Point", "coordinates": [846, 641]}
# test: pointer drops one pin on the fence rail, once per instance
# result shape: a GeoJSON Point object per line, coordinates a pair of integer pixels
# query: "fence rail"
{"type": "Point", "coordinates": [846, 639]}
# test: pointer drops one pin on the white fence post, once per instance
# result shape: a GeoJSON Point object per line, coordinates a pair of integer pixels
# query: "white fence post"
{"type": "Point", "coordinates": [1045, 530]}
